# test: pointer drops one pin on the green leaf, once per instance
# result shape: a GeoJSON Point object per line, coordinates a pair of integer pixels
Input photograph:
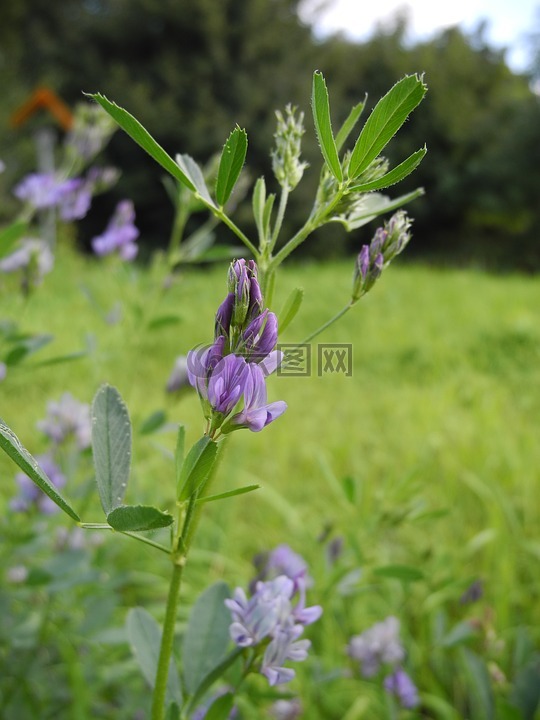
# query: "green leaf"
{"type": "Point", "coordinates": [375, 204]}
{"type": "Point", "coordinates": [196, 467]}
{"type": "Point", "coordinates": [144, 635]}
{"type": "Point", "coordinates": [221, 708]}
{"type": "Point", "coordinates": [59, 359]}
{"type": "Point", "coordinates": [230, 493]}
{"type": "Point", "coordinates": [399, 572]}
{"type": "Point", "coordinates": [12, 446]}
{"type": "Point", "coordinates": [153, 422]}
{"type": "Point", "coordinates": [396, 175]}
{"type": "Point", "coordinates": [214, 675]}
{"type": "Point", "coordinates": [349, 486]}
{"type": "Point", "coordinates": [267, 214]}
{"type": "Point", "coordinates": [482, 701]}
{"type": "Point", "coordinates": [525, 693]}
{"type": "Point", "coordinates": [195, 175]}
{"type": "Point", "coordinates": [385, 120]}
{"type": "Point", "coordinates": [173, 712]}
{"type": "Point", "coordinates": [459, 634]}
{"type": "Point", "coordinates": [138, 518]}
{"type": "Point", "coordinates": [10, 235]}
{"type": "Point", "coordinates": [27, 346]}
{"type": "Point", "coordinates": [111, 446]}
{"type": "Point", "coordinates": [290, 308]}
{"type": "Point", "coordinates": [323, 125]}
{"type": "Point", "coordinates": [143, 138]}
{"type": "Point", "coordinates": [349, 124]}
{"type": "Point", "coordinates": [230, 165]}
{"type": "Point", "coordinates": [207, 635]}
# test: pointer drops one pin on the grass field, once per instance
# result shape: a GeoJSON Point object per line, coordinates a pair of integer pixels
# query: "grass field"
{"type": "Point", "coordinates": [425, 462]}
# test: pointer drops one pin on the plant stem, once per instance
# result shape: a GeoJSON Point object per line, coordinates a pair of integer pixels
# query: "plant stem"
{"type": "Point", "coordinates": [327, 324]}
{"type": "Point", "coordinates": [167, 638]}
{"type": "Point", "coordinates": [236, 230]}
{"type": "Point", "coordinates": [279, 218]}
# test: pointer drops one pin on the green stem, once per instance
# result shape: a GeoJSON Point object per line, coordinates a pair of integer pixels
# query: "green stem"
{"type": "Point", "coordinates": [179, 224]}
{"type": "Point", "coordinates": [327, 324]}
{"type": "Point", "coordinates": [218, 212]}
{"type": "Point", "coordinates": [167, 638]}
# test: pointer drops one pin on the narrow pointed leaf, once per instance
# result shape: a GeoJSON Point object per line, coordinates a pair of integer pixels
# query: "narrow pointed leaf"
{"type": "Point", "coordinates": [400, 572]}
{"type": "Point", "coordinates": [143, 138]}
{"type": "Point", "coordinates": [214, 675]}
{"type": "Point", "coordinates": [230, 165]}
{"type": "Point", "coordinates": [290, 308]}
{"type": "Point", "coordinates": [196, 467]}
{"type": "Point", "coordinates": [385, 120]}
{"type": "Point", "coordinates": [481, 692]}
{"type": "Point", "coordinates": [144, 635]}
{"type": "Point", "coordinates": [207, 635]}
{"type": "Point", "coordinates": [230, 493]}
{"type": "Point", "coordinates": [349, 124]}
{"type": "Point", "coordinates": [323, 125]}
{"type": "Point", "coordinates": [376, 204]}
{"type": "Point", "coordinates": [153, 422]}
{"type": "Point", "coordinates": [173, 712]}
{"type": "Point", "coordinates": [12, 446]}
{"type": "Point", "coordinates": [267, 215]}
{"type": "Point", "coordinates": [111, 446]}
{"type": "Point", "coordinates": [258, 204]}
{"type": "Point", "coordinates": [195, 175]}
{"type": "Point", "coordinates": [394, 176]}
{"type": "Point", "coordinates": [138, 518]}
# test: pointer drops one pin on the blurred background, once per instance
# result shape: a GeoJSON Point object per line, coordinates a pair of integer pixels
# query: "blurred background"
{"type": "Point", "coordinates": [189, 70]}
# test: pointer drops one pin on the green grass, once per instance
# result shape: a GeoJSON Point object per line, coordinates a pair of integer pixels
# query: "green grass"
{"type": "Point", "coordinates": [437, 428]}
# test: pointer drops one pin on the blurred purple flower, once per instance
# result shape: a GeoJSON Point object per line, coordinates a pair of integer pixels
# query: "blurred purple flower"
{"type": "Point", "coordinates": [67, 418]}
{"type": "Point", "coordinates": [401, 685]}
{"type": "Point", "coordinates": [73, 198]}
{"type": "Point", "coordinates": [378, 645]}
{"type": "Point", "coordinates": [38, 189]}
{"type": "Point", "coordinates": [3, 371]}
{"type": "Point", "coordinates": [284, 561]}
{"type": "Point", "coordinates": [32, 253]}
{"type": "Point", "coordinates": [473, 593]}
{"type": "Point", "coordinates": [120, 234]}
{"type": "Point", "coordinates": [178, 379]}
{"type": "Point", "coordinates": [286, 709]}
{"type": "Point", "coordinates": [271, 614]}
{"type": "Point", "coordinates": [30, 495]}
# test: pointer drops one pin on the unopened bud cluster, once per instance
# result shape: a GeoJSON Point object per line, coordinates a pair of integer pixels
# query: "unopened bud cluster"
{"type": "Point", "coordinates": [388, 241]}
{"type": "Point", "coordinates": [286, 163]}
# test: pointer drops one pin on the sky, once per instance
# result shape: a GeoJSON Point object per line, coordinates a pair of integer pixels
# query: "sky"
{"type": "Point", "coordinates": [509, 21]}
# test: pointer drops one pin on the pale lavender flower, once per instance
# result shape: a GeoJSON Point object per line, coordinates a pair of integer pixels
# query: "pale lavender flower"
{"type": "Point", "coordinates": [284, 561]}
{"type": "Point", "coordinates": [286, 709]}
{"type": "Point", "coordinates": [3, 371]}
{"type": "Point", "coordinates": [260, 336]}
{"type": "Point", "coordinates": [378, 645]}
{"type": "Point", "coordinates": [67, 418]}
{"type": "Point", "coordinates": [30, 495]}
{"type": "Point", "coordinates": [401, 685]}
{"type": "Point", "coordinates": [271, 614]}
{"type": "Point", "coordinates": [200, 364]}
{"type": "Point", "coordinates": [17, 574]}
{"type": "Point", "coordinates": [74, 198]}
{"type": "Point", "coordinates": [120, 234]}
{"type": "Point", "coordinates": [99, 179]}
{"type": "Point", "coordinates": [32, 254]}
{"type": "Point", "coordinates": [38, 189]}
{"type": "Point", "coordinates": [256, 413]}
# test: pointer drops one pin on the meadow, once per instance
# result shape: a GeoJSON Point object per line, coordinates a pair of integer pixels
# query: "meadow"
{"type": "Point", "coordinates": [402, 485]}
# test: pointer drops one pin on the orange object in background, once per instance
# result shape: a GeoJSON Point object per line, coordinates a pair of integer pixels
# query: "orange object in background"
{"type": "Point", "coordinates": [44, 99]}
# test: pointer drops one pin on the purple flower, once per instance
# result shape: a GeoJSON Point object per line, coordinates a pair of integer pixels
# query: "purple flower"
{"type": "Point", "coordinates": [38, 189]}
{"type": "Point", "coordinates": [67, 418]}
{"type": "Point", "coordinates": [120, 234]}
{"type": "Point", "coordinates": [378, 645]}
{"type": "Point", "coordinates": [401, 685]}
{"type": "Point", "coordinates": [200, 364]}
{"type": "Point", "coordinates": [260, 336]}
{"type": "Point", "coordinates": [271, 614]}
{"type": "Point", "coordinates": [284, 561]}
{"type": "Point", "coordinates": [256, 413]}
{"type": "Point", "coordinates": [74, 199]}
{"type": "Point", "coordinates": [3, 371]}
{"type": "Point", "coordinates": [226, 384]}
{"type": "Point", "coordinates": [30, 495]}
{"type": "Point", "coordinates": [32, 254]}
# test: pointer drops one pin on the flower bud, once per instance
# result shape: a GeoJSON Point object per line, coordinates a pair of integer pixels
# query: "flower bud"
{"type": "Point", "coordinates": [286, 164]}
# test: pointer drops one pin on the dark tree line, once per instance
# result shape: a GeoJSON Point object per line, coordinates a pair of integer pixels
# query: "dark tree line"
{"type": "Point", "coordinates": [191, 69]}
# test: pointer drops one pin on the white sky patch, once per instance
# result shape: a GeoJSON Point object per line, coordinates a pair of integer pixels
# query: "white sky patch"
{"type": "Point", "coordinates": [509, 21]}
